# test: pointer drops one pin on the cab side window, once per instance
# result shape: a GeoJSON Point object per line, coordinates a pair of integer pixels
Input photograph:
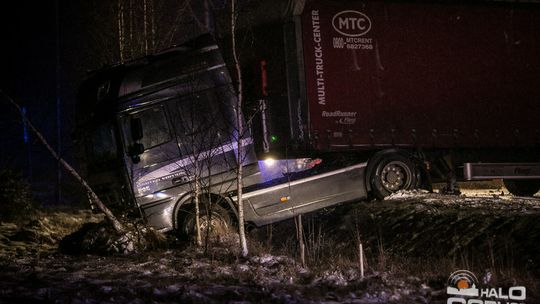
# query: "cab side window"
{"type": "Point", "coordinates": [155, 127]}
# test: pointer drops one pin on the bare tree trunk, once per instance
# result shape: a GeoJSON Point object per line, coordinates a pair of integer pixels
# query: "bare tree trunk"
{"type": "Point", "coordinates": [300, 238]}
{"type": "Point", "coordinates": [269, 232]}
{"type": "Point", "coordinates": [361, 257]}
{"type": "Point", "coordinates": [145, 27]}
{"type": "Point", "coordinates": [131, 44]}
{"type": "Point", "coordinates": [152, 27]}
{"type": "Point", "coordinates": [121, 42]}
{"type": "Point", "coordinates": [240, 130]}
{"type": "Point", "coordinates": [197, 203]}
{"type": "Point", "coordinates": [207, 21]}
{"type": "Point", "coordinates": [58, 107]}
{"type": "Point", "coordinates": [108, 214]}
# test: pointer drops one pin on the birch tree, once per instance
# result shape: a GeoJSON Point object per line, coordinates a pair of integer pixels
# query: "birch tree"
{"type": "Point", "coordinates": [147, 26]}
{"type": "Point", "coordinates": [300, 238]}
{"type": "Point", "coordinates": [106, 211]}
{"type": "Point", "coordinates": [240, 130]}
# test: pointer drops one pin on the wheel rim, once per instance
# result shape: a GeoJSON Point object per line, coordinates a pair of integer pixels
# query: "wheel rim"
{"type": "Point", "coordinates": [217, 224]}
{"type": "Point", "coordinates": [396, 175]}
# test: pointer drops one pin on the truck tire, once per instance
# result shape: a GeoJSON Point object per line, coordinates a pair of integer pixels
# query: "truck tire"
{"type": "Point", "coordinates": [216, 221]}
{"type": "Point", "coordinates": [393, 172]}
{"type": "Point", "coordinates": [522, 187]}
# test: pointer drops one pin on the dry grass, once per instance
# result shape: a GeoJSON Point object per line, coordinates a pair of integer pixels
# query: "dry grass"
{"type": "Point", "coordinates": [42, 232]}
{"type": "Point", "coordinates": [499, 245]}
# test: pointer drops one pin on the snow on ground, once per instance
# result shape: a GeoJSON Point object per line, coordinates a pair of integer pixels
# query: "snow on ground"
{"type": "Point", "coordinates": [491, 198]}
{"type": "Point", "coordinates": [417, 224]}
{"type": "Point", "coordinates": [192, 277]}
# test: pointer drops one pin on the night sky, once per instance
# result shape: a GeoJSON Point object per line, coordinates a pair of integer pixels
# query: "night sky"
{"type": "Point", "coordinates": [29, 76]}
{"type": "Point", "coordinates": [28, 59]}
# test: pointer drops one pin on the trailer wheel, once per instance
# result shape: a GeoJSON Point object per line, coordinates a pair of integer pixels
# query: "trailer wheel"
{"type": "Point", "coordinates": [214, 220]}
{"type": "Point", "coordinates": [393, 172]}
{"type": "Point", "coordinates": [522, 187]}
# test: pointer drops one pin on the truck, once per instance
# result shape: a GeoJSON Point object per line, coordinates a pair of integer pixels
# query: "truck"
{"type": "Point", "coordinates": [345, 101]}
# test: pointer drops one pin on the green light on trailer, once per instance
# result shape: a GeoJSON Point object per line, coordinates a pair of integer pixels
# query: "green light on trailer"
{"type": "Point", "coordinates": [273, 138]}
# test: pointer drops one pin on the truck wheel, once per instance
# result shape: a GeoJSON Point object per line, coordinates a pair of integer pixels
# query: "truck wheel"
{"type": "Point", "coordinates": [522, 187]}
{"type": "Point", "coordinates": [393, 172]}
{"type": "Point", "coordinates": [216, 221]}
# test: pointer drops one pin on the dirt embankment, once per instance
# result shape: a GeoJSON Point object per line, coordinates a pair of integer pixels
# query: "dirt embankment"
{"type": "Point", "coordinates": [487, 230]}
{"type": "Point", "coordinates": [43, 233]}
{"type": "Point", "coordinates": [412, 242]}
{"type": "Point", "coordinates": [427, 236]}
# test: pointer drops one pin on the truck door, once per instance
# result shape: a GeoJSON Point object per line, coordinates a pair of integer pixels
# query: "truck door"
{"type": "Point", "coordinates": [150, 168]}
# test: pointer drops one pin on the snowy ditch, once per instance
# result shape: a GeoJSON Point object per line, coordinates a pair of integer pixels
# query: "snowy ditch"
{"type": "Point", "coordinates": [412, 241]}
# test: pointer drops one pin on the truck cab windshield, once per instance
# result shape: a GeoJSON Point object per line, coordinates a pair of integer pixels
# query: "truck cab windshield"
{"type": "Point", "coordinates": [202, 121]}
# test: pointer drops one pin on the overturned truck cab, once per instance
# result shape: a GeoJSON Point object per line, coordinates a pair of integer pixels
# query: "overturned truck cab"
{"type": "Point", "coordinates": [160, 130]}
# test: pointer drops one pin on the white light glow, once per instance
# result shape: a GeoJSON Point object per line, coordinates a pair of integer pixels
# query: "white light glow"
{"type": "Point", "coordinates": [269, 162]}
{"type": "Point", "coordinates": [161, 195]}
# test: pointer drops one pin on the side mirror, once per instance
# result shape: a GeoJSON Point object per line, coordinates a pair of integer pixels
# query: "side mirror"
{"type": "Point", "coordinates": [136, 129]}
{"type": "Point", "coordinates": [134, 151]}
